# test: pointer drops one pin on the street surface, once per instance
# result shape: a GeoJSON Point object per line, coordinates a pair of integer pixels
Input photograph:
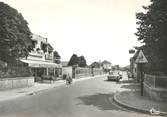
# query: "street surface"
{"type": "Point", "coordinates": [87, 98]}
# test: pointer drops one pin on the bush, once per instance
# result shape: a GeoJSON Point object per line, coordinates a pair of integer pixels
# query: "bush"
{"type": "Point", "coordinates": [46, 77]}
{"type": "Point", "coordinates": [13, 72]}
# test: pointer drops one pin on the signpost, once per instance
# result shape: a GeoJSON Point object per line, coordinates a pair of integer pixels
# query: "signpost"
{"type": "Point", "coordinates": [140, 60]}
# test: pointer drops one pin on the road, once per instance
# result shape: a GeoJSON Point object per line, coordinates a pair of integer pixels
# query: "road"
{"type": "Point", "coordinates": [87, 98]}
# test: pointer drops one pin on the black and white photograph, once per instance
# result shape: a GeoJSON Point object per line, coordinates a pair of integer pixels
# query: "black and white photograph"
{"type": "Point", "coordinates": [83, 58]}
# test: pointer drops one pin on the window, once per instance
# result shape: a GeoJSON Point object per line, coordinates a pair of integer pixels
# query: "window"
{"type": "Point", "coordinates": [34, 42]}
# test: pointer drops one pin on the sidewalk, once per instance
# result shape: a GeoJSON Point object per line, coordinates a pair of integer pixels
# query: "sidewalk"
{"type": "Point", "coordinates": [38, 87]}
{"type": "Point", "coordinates": [131, 99]}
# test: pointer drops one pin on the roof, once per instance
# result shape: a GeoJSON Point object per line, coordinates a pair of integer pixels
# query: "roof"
{"type": "Point", "coordinates": [38, 37]}
{"type": "Point", "coordinates": [50, 47]}
{"type": "Point", "coordinates": [135, 55]}
{"type": "Point", "coordinates": [64, 63]}
{"type": "Point", "coordinates": [106, 62]}
{"type": "Point", "coordinates": [33, 63]}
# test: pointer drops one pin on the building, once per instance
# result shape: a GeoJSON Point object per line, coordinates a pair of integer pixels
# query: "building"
{"type": "Point", "coordinates": [41, 59]}
{"type": "Point", "coordinates": [134, 67]}
{"type": "Point", "coordinates": [64, 63]}
{"type": "Point", "coordinates": [115, 67]}
{"type": "Point", "coordinates": [107, 66]}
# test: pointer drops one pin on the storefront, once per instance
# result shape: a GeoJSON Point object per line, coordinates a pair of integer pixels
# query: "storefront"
{"type": "Point", "coordinates": [40, 68]}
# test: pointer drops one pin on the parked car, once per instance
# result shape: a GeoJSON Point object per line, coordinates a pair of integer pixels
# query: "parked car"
{"type": "Point", "coordinates": [130, 75]}
{"type": "Point", "coordinates": [114, 76]}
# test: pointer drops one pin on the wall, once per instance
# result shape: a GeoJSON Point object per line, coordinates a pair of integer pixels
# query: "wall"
{"type": "Point", "coordinates": [87, 72]}
{"type": "Point", "coordinates": [67, 70]}
{"type": "Point", "coordinates": [12, 83]}
{"type": "Point", "coordinates": [155, 87]}
{"type": "Point", "coordinates": [82, 72]}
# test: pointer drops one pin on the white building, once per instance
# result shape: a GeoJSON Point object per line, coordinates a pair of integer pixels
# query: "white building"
{"type": "Point", "coordinates": [41, 59]}
{"type": "Point", "coordinates": [107, 66]}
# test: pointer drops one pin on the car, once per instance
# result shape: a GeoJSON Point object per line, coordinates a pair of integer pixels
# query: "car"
{"type": "Point", "coordinates": [114, 76]}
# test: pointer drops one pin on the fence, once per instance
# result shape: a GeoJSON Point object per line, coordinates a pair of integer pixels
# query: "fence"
{"type": "Point", "coordinates": [156, 81]}
{"type": "Point", "coordinates": [98, 71]}
{"type": "Point", "coordinates": [155, 86]}
{"type": "Point", "coordinates": [13, 72]}
{"type": "Point", "coordinates": [85, 72]}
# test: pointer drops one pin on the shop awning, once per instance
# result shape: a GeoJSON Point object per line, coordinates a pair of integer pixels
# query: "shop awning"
{"type": "Point", "coordinates": [43, 64]}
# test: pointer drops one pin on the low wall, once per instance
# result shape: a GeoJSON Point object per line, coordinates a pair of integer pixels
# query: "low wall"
{"type": "Point", "coordinates": [82, 72]}
{"type": "Point", "coordinates": [67, 70]}
{"type": "Point", "coordinates": [155, 87]}
{"type": "Point", "coordinates": [12, 83]}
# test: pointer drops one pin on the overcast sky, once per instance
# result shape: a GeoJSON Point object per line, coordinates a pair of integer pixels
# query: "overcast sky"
{"type": "Point", "coordinates": [97, 29]}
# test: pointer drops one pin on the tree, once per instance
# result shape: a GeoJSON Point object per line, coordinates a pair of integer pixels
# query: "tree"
{"type": "Point", "coordinates": [15, 35]}
{"type": "Point", "coordinates": [152, 26]}
{"type": "Point", "coordinates": [57, 57]}
{"type": "Point", "coordinates": [82, 61]}
{"type": "Point", "coordinates": [73, 60]}
{"type": "Point", "coordinates": [96, 65]}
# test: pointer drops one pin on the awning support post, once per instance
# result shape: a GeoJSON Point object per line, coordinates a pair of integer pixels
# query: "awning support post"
{"type": "Point", "coordinates": [47, 71]}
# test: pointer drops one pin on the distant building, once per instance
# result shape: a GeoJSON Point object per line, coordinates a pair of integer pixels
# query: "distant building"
{"type": "Point", "coordinates": [115, 67]}
{"type": "Point", "coordinates": [107, 66]}
{"type": "Point", "coordinates": [64, 63]}
{"type": "Point", "coordinates": [134, 67]}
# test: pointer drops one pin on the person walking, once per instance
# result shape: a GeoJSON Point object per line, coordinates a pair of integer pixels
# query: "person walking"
{"type": "Point", "coordinates": [68, 79]}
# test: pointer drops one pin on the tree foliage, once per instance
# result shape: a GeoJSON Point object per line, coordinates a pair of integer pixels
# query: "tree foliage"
{"type": "Point", "coordinates": [75, 60]}
{"type": "Point", "coordinates": [15, 36]}
{"type": "Point", "coordinates": [82, 61]}
{"type": "Point", "coordinates": [152, 31]}
{"type": "Point", "coordinates": [96, 64]}
{"type": "Point", "coordinates": [57, 57]}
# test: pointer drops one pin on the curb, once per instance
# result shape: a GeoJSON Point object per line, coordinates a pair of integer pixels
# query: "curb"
{"type": "Point", "coordinates": [127, 106]}
{"type": "Point", "coordinates": [41, 90]}
{"type": "Point", "coordinates": [132, 107]}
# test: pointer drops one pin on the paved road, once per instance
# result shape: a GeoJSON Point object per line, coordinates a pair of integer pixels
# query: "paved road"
{"type": "Point", "coordinates": [89, 98]}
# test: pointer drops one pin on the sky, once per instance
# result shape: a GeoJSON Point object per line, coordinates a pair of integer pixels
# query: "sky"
{"type": "Point", "coordinates": [96, 29]}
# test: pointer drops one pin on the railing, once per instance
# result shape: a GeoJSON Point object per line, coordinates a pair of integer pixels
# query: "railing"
{"type": "Point", "coordinates": [49, 57]}
{"type": "Point", "coordinates": [36, 54]}
{"type": "Point", "coordinates": [82, 72]}
{"type": "Point", "coordinates": [97, 71]}
{"type": "Point", "coordinates": [156, 81]}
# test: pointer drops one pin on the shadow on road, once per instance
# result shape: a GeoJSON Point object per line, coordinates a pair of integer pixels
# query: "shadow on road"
{"type": "Point", "coordinates": [127, 81]}
{"type": "Point", "coordinates": [131, 86]}
{"type": "Point", "coordinates": [99, 100]}
{"type": "Point", "coordinates": [109, 81]}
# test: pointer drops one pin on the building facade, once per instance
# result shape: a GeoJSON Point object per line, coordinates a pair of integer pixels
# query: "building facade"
{"type": "Point", "coordinates": [41, 59]}
{"type": "Point", "coordinates": [107, 66]}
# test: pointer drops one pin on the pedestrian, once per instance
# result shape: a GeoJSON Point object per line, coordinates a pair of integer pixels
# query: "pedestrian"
{"type": "Point", "coordinates": [68, 79]}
